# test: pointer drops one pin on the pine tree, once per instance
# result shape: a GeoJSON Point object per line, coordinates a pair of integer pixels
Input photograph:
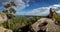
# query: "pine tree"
{"type": "Point", "coordinates": [9, 11]}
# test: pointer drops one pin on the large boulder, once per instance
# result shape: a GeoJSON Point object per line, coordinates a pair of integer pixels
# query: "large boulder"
{"type": "Point", "coordinates": [3, 17]}
{"type": "Point", "coordinates": [45, 25]}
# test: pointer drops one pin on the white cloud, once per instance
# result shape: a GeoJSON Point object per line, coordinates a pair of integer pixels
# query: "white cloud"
{"type": "Point", "coordinates": [55, 6]}
{"type": "Point", "coordinates": [39, 11]}
{"type": "Point", "coordinates": [43, 11]}
{"type": "Point", "coordinates": [20, 3]}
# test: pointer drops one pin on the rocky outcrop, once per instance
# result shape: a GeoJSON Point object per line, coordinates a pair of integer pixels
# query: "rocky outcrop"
{"type": "Point", "coordinates": [45, 25]}
{"type": "Point", "coordinates": [5, 30]}
{"type": "Point", "coordinates": [3, 17]}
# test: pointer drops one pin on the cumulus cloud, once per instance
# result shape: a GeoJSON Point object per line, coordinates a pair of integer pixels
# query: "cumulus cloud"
{"type": "Point", "coordinates": [20, 3]}
{"type": "Point", "coordinates": [44, 11]}
{"type": "Point", "coordinates": [39, 11]}
{"type": "Point", "coordinates": [55, 6]}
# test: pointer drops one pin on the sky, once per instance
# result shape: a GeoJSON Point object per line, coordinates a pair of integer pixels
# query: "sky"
{"type": "Point", "coordinates": [33, 7]}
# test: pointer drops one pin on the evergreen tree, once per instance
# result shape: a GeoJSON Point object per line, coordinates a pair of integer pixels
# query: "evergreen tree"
{"type": "Point", "coordinates": [9, 11]}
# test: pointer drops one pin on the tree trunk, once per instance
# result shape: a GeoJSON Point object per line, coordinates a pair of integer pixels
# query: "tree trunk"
{"type": "Point", "coordinates": [8, 25]}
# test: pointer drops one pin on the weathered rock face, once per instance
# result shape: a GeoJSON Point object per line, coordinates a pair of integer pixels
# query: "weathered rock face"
{"type": "Point", "coordinates": [45, 25]}
{"type": "Point", "coordinates": [3, 17]}
{"type": "Point", "coordinates": [5, 30]}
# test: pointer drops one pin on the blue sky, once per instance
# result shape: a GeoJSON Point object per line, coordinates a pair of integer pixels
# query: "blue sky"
{"type": "Point", "coordinates": [32, 7]}
{"type": "Point", "coordinates": [40, 3]}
